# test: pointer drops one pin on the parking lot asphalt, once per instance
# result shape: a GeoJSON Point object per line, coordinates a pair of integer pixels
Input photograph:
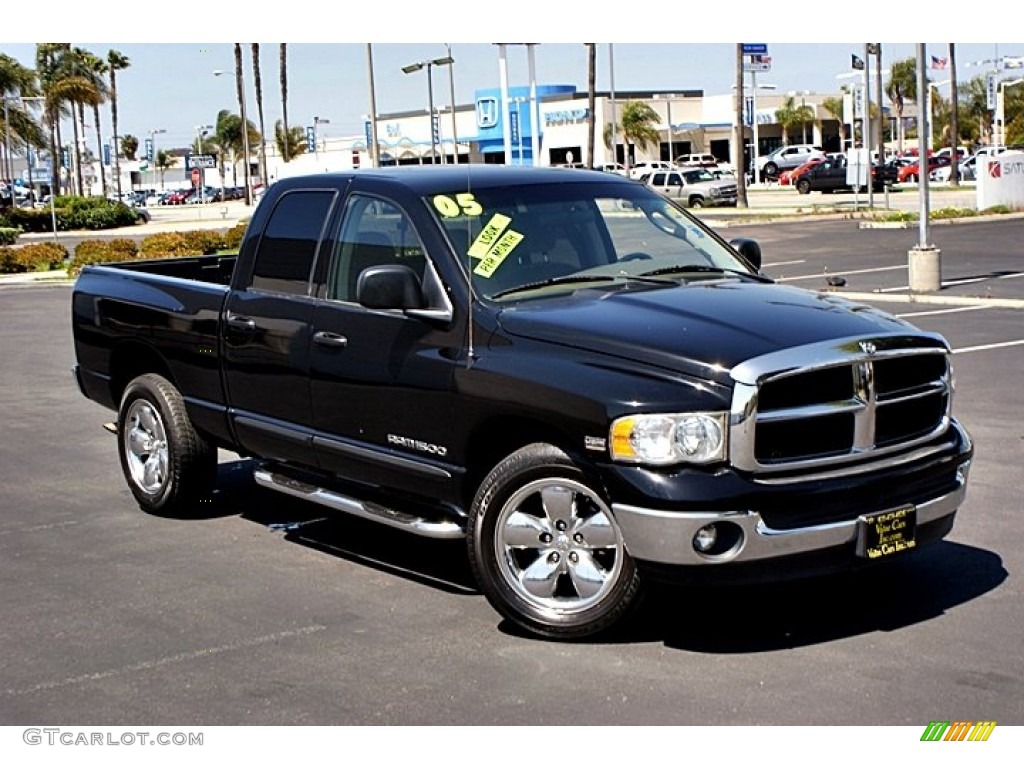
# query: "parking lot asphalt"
{"type": "Point", "coordinates": [269, 611]}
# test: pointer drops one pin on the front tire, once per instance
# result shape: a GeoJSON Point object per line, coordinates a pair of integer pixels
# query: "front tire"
{"type": "Point", "coordinates": [169, 467]}
{"type": "Point", "coordinates": [803, 187]}
{"type": "Point", "coordinates": [545, 548]}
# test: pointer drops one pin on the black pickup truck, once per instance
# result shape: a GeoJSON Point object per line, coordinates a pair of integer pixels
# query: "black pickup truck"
{"type": "Point", "coordinates": [830, 176]}
{"type": "Point", "coordinates": [564, 368]}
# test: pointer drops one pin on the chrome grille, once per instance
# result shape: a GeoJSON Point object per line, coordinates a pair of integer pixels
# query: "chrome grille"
{"type": "Point", "coordinates": [839, 402]}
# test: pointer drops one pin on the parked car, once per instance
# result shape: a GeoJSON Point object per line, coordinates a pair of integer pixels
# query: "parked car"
{"type": "Point", "coordinates": [178, 197]}
{"type": "Point", "coordinates": [831, 176]}
{"type": "Point", "coordinates": [912, 173]}
{"type": "Point", "coordinates": [618, 168]}
{"type": "Point", "coordinates": [784, 158]}
{"type": "Point", "coordinates": [646, 167]}
{"type": "Point", "coordinates": [705, 160]}
{"type": "Point", "coordinates": [967, 170]}
{"type": "Point", "coordinates": [693, 187]}
{"type": "Point", "coordinates": [791, 176]}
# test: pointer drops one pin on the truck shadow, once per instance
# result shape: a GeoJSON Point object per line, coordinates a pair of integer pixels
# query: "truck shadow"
{"type": "Point", "coordinates": [752, 618]}
{"type": "Point", "coordinates": [435, 563]}
{"type": "Point", "coordinates": [770, 617]}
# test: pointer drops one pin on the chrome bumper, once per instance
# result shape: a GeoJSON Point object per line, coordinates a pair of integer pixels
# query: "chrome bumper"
{"type": "Point", "coordinates": [666, 537]}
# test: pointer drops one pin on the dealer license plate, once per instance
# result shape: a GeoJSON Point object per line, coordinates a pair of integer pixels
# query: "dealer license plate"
{"type": "Point", "coordinates": [887, 533]}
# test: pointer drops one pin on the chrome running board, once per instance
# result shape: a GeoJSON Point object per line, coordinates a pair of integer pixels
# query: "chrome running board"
{"type": "Point", "coordinates": [404, 521]}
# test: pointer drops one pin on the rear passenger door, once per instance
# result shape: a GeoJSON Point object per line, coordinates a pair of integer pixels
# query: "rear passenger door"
{"type": "Point", "coordinates": [382, 380]}
{"type": "Point", "coordinates": [266, 328]}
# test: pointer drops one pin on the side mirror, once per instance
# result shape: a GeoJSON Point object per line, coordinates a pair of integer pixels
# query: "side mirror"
{"type": "Point", "coordinates": [389, 286]}
{"type": "Point", "coordinates": [749, 250]}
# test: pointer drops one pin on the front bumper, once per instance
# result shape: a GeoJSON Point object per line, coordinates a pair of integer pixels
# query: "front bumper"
{"type": "Point", "coordinates": [665, 535]}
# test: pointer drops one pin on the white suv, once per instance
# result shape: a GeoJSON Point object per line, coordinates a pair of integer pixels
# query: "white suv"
{"type": "Point", "coordinates": [646, 167]}
{"type": "Point", "coordinates": [786, 158]}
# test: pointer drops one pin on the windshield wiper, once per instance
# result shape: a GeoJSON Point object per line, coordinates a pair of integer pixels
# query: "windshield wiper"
{"type": "Point", "coordinates": [647, 278]}
{"type": "Point", "coordinates": [702, 268]}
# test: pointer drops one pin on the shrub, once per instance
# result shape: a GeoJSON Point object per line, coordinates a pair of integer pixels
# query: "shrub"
{"type": "Point", "coordinates": [32, 258]}
{"type": "Point", "coordinates": [9, 235]}
{"type": "Point", "coordinates": [952, 213]}
{"type": "Point", "coordinates": [33, 219]}
{"type": "Point", "coordinates": [169, 244]}
{"type": "Point", "coordinates": [233, 237]}
{"type": "Point", "coordinates": [102, 252]}
{"type": "Point", "coordinates": [207, 241]}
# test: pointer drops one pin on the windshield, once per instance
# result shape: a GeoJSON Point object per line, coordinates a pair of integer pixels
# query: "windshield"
{"type": "Point", "coordinates": [539, 237]}
{"type": "Point", "coordinates": [694, 177]}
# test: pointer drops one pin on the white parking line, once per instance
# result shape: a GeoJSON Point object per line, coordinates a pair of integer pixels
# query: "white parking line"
{"type": "Point", "coordinates": [820, 275]}
{"type": "Point", "coordinates": [162, 662]}
{"type": "Point", "coordinates": [961, 281]}
{"type": "Point", "coordinates": [983, 347]}
{"type": "Point", "coordinates": [941, 311]}
{"type": "Point", "coordinates": [784, 263]}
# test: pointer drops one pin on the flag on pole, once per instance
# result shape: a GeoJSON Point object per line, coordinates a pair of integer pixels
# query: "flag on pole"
{"type": "Point", "coordinates": [856, 61]}
{"type": "Point", "coordinates": [938, 63]}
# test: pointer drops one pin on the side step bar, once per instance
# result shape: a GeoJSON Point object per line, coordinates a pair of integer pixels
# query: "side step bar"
{"type": "Point", "coordinates": [403, 521]}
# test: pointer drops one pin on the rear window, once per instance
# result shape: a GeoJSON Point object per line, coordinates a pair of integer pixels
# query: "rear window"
{"type": "Point", "coordinates": [287, 249]}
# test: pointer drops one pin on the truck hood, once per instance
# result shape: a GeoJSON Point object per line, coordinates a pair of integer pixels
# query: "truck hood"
{"type": "Point", "coordinates": [701, 329]}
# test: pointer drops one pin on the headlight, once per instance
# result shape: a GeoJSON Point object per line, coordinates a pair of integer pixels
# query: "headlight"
{"type": "Point", "coordinates": [661, 439]}
{"type": "Point", "coordinates": [715, 192]}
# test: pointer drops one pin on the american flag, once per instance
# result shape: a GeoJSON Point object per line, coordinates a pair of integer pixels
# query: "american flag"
{"type": "Point", "coordinates": [938, 63]}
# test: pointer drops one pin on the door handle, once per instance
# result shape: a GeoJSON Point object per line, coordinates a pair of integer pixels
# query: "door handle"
{"type": "Point", "coordinates": [241, 324]}
{"type": "Point", "coordinates": [329, 339]}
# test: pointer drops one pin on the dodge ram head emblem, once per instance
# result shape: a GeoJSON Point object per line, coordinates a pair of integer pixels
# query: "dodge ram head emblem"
{"type": "Point", "coordinates": [868, 347]}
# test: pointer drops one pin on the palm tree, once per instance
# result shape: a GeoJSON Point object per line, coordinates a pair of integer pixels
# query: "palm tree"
{"type": "Point", "coordinates": [638, 121]}
{"type": "Point", "coordinates": [283, 63]}
{"type": "Point", "coordinates": [240, 89]}
{"type": "Point", "coordinates": [974, 109]}
{"type": "Point", "coordinates": [591, 100]}
{"type": "Point", "coordinates": [97, 68]}
{"type": "Point", "coordinates": [834, 106]}
{"type": "Point", "coordinates": [295, 143]}
{"type": "Point", "coordinates": [163, 161]}
{"type": "Point", "coordinates": [901, 88]}
{"type": "Point", "coordinates": [259, 107]}
{"type": "Point", "coordinates": [116, 61]}
{"type": "Point", "coordinates": [47, 61]}
{"type": "Point", "coordinates": [129, 146]}
{"type": "Point", "coordinates": [17, 80]}
{"type": "Point", "coordinates": [229, 138]}
{"type": "Point", "coordinates": [792, 116]}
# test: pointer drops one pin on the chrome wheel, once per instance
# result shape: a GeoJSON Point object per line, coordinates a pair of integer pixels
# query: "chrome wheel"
{"type": "Point", "coordinates": [557, 546]}
{"type": "Point", "coordinates": [145, 447]}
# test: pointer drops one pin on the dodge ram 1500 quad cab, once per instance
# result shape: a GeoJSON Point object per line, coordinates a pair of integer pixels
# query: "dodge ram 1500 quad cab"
{"type": "Point", "coordinates": [569, 371]}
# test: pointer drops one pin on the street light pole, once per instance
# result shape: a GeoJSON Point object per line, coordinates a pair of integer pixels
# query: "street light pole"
{"type": "Point", "coordinates": [451, 88]}
{"type": "Point", "coordinates": [429, 64]}
{"type": "Point", "coordinates": [668, 116]}
{"type": "Point", "coordinates": [375, 149]}
{"type": "Point", "coordinates": [201, 131]}
{"type": "Point", "coordinates": [152, 141]}
{"type": "Point", "coordinates": [317, 121]}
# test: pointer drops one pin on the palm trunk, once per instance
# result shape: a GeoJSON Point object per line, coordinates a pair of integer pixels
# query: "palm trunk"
{"type": "Point", "coordinates": [259, 109]}
{"type": "Point", "coordinates": [954, 127]}
{"type": "Point", "coordinates": [99, 149]}
{"type": "Point", "coordinates": [76, 156]}
{"type": "Point", "coordinates": [284, 100]}
{"type": "Point", "coordinates": [116, 149]}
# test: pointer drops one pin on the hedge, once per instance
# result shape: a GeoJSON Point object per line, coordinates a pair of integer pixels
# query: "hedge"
{"type": "Point", "coordinates": [9, 235]}
{"type": "Point", "coordinates": [102, 252]}
{"type": "Point", "coordinates": [72, 213]}
{"type": "Point", "coordinates": [36, 257]}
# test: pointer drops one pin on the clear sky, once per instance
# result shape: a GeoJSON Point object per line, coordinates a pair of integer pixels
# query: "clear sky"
{"type": "Point", "coordinates": [170, 83]}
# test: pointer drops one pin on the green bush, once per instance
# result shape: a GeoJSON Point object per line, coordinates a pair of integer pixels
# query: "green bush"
{"type": "Point", "coordinates": [952, 213]}
{"type": "Point", "coordinates": [33, 219]}
{"type": "Point", "coordinates": [233, 237]}
{"type": "Point", "coordinates": [73, 213]}
{"type": "Point", "coordinates": [169, 244]}
{"type": "Point", "coordinates": [36, 257]}
{"type": "Point", "coordinates": [9, 235]}
{"type": "Point", "coordinates": [996, 209]}
{"type": "Point", "coordinates": [102, 252]}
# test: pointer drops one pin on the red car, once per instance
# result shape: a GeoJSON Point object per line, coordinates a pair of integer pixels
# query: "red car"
{"type": "Point", "coordinates": [178, 198]}
{"type": "Point", "coordinates": [791, 176]}
{"type": "Point", "coordinates": [912, 173]}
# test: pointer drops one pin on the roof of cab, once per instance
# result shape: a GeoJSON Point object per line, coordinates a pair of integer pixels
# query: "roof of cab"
{"type": "Point", "coordinates": [427, 179]}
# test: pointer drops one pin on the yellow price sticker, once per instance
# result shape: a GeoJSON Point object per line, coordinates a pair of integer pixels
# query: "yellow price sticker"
{"type": "Point", "coordinates": [497, 254]}
{"type": "Point", "coordinates": [489, 235]}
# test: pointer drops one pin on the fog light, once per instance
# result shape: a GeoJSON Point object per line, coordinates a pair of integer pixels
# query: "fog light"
{"type": "Point", "coordinates": [704, 540]}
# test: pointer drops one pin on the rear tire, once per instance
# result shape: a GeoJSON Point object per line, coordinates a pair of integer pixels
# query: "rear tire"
{"type": "Point", "coordinates": [170, 468]}
{"type": "Point", "coordinates": [545, 548]}
{"type": "Point", "coordinates": [771, 170]}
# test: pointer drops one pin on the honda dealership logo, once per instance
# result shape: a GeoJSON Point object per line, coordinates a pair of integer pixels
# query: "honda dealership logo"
{"type": "Point", "coordinates": [487, 112]}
